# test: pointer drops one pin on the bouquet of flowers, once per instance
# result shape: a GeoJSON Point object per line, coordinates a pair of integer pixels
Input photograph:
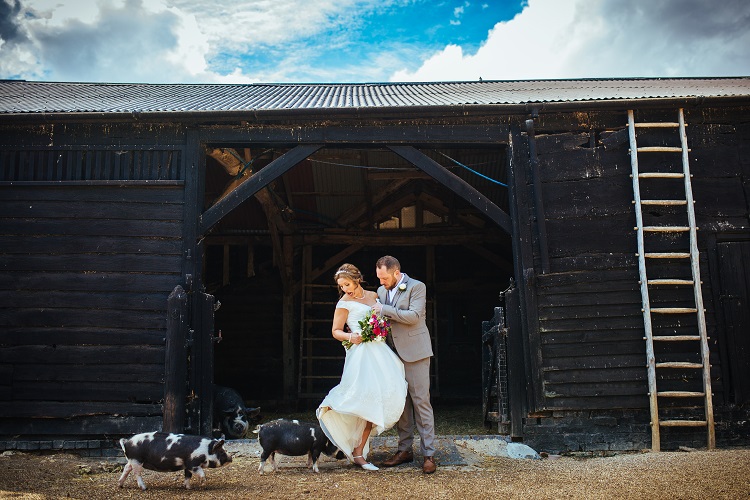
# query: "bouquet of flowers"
{"type": "Point", "coordinates": [374, 329]}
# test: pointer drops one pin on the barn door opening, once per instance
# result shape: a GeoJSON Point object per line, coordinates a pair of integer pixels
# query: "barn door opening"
{"type": "Point", "coordinates": [270, 258]}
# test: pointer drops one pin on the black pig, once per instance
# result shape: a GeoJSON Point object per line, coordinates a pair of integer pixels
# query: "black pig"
{"type": "Point", "coordinates": [294, 438]}
{"type": "Point", "coordinates": [166, 452]}
{"type": "Point", "coordinates": [231, 416]}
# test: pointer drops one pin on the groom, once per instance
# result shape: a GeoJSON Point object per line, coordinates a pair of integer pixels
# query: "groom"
{"type": "Point", "coordinates": [403, 301]}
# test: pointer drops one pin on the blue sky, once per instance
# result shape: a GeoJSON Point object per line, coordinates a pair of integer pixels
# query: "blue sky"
{"type": "Point", "coordinates": [309, 41]}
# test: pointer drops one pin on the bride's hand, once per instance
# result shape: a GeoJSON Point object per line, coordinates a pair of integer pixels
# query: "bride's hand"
{"type": "Point", "coordinates": [356, 338]}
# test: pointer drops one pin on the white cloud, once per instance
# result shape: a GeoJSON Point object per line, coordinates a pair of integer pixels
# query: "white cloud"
{"type": "Point", "coordinates": [600, 39]}
{"type": "Point", "coordinates": [164, 41]}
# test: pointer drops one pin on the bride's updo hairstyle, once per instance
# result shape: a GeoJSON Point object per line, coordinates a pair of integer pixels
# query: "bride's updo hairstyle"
{"type": "Point", "coordinates": [350, 272]}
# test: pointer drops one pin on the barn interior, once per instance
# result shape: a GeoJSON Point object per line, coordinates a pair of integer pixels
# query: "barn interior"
{"type": "Point", "coordinates": [270, 262]}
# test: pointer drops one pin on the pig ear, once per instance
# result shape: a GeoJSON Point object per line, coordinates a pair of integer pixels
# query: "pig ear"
{"type": "Point", "coordinates": [218, 444]}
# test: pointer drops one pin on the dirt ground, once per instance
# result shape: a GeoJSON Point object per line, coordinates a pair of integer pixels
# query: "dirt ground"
{"type": "Point", "coordinates": [686, 475]}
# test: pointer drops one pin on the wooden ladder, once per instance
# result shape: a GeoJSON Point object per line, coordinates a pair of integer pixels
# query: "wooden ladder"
{"type": "Point", "coordinates": [697, 342]}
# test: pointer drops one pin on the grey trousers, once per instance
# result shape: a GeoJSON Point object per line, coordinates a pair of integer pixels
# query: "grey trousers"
{"type": "Point", "coordinates": [417, 409]}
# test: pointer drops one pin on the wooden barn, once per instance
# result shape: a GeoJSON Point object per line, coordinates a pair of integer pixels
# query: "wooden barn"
{"type": "Point", "coordinates": [585, 245]}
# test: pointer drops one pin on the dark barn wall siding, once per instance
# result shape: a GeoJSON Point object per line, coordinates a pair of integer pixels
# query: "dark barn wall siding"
{"type": "Point", "coordinates": [589, 305]}
{"type": "Point", "coordinates": [85, 272]}
{"type": "Point", "coordinates": [91, 229]}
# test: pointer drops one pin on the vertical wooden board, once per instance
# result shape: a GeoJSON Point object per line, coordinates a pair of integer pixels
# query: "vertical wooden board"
{"type": "Point", "coordinates": [735, 297]}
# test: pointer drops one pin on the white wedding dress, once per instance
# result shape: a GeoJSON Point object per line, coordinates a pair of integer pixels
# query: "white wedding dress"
{"type": "Point", "coordinates": [372, 389]}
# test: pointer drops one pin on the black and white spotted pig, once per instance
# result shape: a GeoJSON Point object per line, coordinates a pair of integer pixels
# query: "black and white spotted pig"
{"type": "Point", "coordinates": [166, 452]}
{"type": "Point", "coordinates": [231, 417]}
{"type": "Point", "coordinates": [294, 438]}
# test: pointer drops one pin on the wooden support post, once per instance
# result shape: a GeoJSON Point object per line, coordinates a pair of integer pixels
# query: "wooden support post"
{"type": "Point", "coordinates": [175, 363]}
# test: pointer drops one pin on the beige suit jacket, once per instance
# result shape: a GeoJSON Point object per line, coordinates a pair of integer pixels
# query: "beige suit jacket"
{"type": "Point", "coordinates": [407, 317]}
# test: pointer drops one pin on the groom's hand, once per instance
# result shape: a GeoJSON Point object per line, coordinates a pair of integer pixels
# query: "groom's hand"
{"type": "Point", "coordinates": [377, 308]}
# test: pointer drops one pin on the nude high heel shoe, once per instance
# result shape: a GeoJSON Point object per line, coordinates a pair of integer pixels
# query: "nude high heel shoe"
{"type": "Point", "coordinates": [366, 465]}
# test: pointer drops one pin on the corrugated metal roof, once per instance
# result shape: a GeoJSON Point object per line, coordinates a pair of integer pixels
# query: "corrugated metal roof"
{"type": "Point", "coordinates": [17, 96]}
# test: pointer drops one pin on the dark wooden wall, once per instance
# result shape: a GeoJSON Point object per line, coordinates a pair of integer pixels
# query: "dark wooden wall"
{"type": "Point", "coordinates": [90, 248]}
{"type": "Point", "coordinates": [588, 351]}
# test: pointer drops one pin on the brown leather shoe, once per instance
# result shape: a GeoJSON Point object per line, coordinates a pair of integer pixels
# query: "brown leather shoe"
{"type": "Point", "coordinates": [429, 465]}
{"type": "Point", "coordinates": [399, 458]}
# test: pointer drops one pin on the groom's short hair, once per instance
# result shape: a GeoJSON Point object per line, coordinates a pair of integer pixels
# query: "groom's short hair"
{"type": "Point", "coordinates": [390, 263]}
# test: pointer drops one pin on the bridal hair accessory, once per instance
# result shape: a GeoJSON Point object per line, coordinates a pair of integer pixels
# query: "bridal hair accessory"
{"type": "Point", "coordinates": [374, 329]}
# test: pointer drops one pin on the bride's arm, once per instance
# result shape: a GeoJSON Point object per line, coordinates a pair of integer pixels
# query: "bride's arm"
{"type": "Point", "coordinates": [339, 320]}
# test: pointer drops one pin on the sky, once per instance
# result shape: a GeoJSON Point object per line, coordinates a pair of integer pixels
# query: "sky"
{"type": "Point", "coordinates": [357, 41]}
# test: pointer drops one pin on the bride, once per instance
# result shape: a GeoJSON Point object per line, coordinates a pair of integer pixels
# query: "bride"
{"type": "Point", "coordinates": [372, 391]}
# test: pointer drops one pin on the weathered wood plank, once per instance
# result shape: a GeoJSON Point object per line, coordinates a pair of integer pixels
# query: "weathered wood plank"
{"type": "Point", "coordinates": [158, 194]}
{"type": "Point", "coordinates": [567, 141]}
{"type": "Point", "coordinates": [18, 355]}
{"type": "Point", "coordinates": [57, 409]}
{"type": "Point", "coordinates": [574, 236]}
{"type": "Point", "coordinates": [606, 261]}
{"type": "Point", "coordinates": [115, 373]}
{"type": "Point", "coordinates": [575, 324]}
{"type": "Point", "coordinates": [94, 227]}
{"type": "Point", "coordinates": [404, 132]}
{"type": "Point", "coordinates": [24, 299]}
{"type": "Point", "coordinates": [140, 392]}
{"type": "Point", "coordinates": [595, 350]}
{"type": "Point", "coordinates": [590, 298]}
{"type": "Point", "coordinates": [601, 376]}
{"type": "Point", "coordinates": [602, 389]}
{"type": "Point", "coordinates": [79, 336]}
{"type": "Point", "coordinates": [91, 281]}
{"type": "Point", "coordinates": [588, 198]}
{"type": "Point", "coordinates": [592, 336]}
{"type": "Point", "coordinates": [89, 425]}
{"type": "Point", "coordinates": [597, 362]}
{"type": "Point", "coordinates": [91, 244]}
{"type": "Point", "coordinates": [94, 210]}
{"type": "Point", "coordinates": [597, 403]}
{"type": "Point", "coordinates": [104, 263]}
{"type": "Point", "coordinates": [83, 317]}
{"type": "Point", "coordinates": [587, 311]}
{"type": "Point", "coordinates": [586, 277]}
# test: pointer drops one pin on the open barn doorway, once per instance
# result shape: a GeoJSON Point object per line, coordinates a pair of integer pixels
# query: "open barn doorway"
{"type": "Point", "coordinates": [270, 262]}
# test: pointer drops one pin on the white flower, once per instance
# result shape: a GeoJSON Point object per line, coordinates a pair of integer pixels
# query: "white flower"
{"type": "Point", "coordinates": [402, 287]}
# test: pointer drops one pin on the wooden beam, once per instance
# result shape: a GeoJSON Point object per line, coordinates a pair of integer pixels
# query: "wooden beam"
{"type": "Point", "coordinates": [386, 133]}
{"type": "Point", "coordinates": [362, 211]}
{"type": "Point", "coordinates": [397, 237]}
{"type": "Point", "coordinates": [259, 180]}
{"type": "Point", "coordinates": [499, 261]}
{"type": "Point", "coordinates": [335, 260]}
{"type": "Point", "coordinates": [455, 184]}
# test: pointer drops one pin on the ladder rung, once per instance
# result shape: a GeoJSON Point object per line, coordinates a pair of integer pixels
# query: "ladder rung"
{"type": "Point", "coordinates": [670, 255]}
{"type": "Point", "coordinates": [660, 175]}
{"type": "Point", "coordinates": [670, 282]}
{"type": "Point", "coordinates": [666, 229]}
{"type": "Point", "coordinates": [660, 149]}
{"type": "Point", "coordinates": [682, 423]}
{"type": "Point", "coordinates": [663, 202]}
{"type": "Point", "coordinates": [673, 310]}
{"type": "Point", "coordinates": [657, 125]}
{"type": "Point", "coordinates": [680, 394]}
{"type": "Point", "coordinates": [677, 364]}
{"type": "Point", "coordinates": [675, 338]}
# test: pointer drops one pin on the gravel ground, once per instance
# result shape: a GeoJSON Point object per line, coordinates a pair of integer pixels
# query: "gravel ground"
{"type": "Point", "coordinates": [686, 475]}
